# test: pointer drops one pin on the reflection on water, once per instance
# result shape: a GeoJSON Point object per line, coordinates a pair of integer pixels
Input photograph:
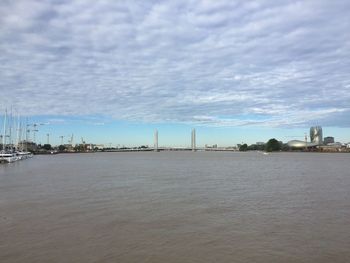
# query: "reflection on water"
{"type": "Point", "coordinates": [176, 207]}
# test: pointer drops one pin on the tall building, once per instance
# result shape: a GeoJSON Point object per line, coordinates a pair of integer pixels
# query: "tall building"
{"type": "Point", "coordinates": [193, 140]}
{"type": "Point", "coordinates": [316, 135]}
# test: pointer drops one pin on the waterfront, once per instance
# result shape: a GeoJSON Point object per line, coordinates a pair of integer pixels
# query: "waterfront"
{"type": "Point", "coordinates": [176, 207]}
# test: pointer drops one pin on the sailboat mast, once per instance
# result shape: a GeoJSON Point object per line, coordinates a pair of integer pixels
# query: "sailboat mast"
{"type": "Point", "coordinates": [4, 135]}
{"type": "Point", "coordinates": [18, 132]}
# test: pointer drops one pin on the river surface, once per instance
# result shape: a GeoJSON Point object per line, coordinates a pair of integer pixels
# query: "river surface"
{"type": "Point", "coordinates": [176, 207]}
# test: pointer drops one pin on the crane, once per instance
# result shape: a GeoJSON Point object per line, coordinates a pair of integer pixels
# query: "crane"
{"type": "Point", "coordinates": [35, 129]}
{"type": "Point", "coordinates": [61, 139]}
{"type": "Point", "coordinates": [83, 143]}
{"type": "Point", "coordinates": [71, 140]}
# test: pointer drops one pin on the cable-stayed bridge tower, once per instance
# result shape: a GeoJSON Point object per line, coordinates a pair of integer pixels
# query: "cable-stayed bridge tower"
{"type": "Point", "coordinates": [193, 140]}
{"type": "Point", "coordinates": [156, 140]}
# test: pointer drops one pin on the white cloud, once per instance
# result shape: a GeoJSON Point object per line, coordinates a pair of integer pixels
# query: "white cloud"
{"type": "Point", "coordinates": [266, 63]}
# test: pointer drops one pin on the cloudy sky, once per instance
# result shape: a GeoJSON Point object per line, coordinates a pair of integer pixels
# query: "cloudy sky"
{"type": "Point", "coordinates": [222, 66]}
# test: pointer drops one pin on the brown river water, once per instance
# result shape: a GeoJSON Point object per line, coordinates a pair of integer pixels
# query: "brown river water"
{"type": "Point", "coordinates": [176, 207]}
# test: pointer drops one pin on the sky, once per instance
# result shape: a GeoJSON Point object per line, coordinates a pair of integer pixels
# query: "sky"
{"type": "Point", "coordinates": [237, 71]}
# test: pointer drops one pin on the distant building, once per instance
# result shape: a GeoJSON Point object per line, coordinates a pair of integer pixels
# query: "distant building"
{"type": "Point", "coordinates": [316, 135]}
{"type": "Point", "coordinates": [69, 147]}
{"type": "Point", "coordinates": [260, 143]}
{"type": "Point", "coordinates": [211, 146]}
{"type": "Point", "coordinates": [99, 146]}
{"type": "Point", "coordinates": [328, 140]}
{"type": "Point", "coordinates": [28, 146]}
{"type": "Point", "coordinates": [316, 139]}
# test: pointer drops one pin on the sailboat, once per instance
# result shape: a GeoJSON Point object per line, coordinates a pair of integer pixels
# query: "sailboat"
{"type": "Point", "coordinates": [21, 153]}
{"type": "Point", "coordinates": [5, 155]}
{"type": "Point", "coordinates": [9, 154]}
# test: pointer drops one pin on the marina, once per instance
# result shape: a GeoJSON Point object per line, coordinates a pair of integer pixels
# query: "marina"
{"type": "Point", "coordinates": [13, 150]}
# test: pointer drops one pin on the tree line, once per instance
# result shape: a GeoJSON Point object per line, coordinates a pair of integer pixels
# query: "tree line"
{"type": "Point", "coordinates": [271, 146]}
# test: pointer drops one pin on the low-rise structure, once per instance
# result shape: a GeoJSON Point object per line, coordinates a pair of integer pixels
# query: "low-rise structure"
{"type": "Point", "coordinates": [328, 140]}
